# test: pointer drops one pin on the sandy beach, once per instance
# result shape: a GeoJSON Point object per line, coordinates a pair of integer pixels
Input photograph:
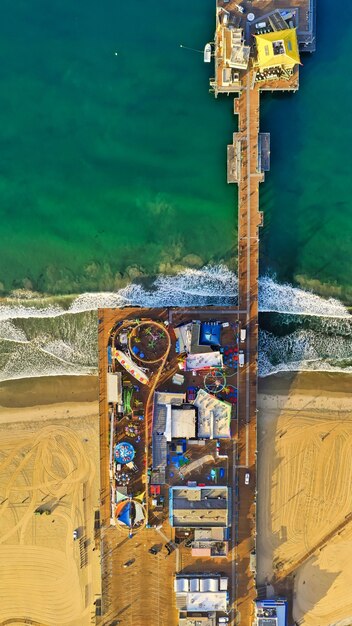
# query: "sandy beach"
{"type": "Point", "coordinates": [49, 455]}
{"type": "Point", "coordinates": [305, 491]}
{"type": "Point", "coordinates": [49, 462]}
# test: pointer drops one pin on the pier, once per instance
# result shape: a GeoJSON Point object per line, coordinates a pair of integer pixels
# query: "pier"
{"type": "Point", "coordinates": [188, 406]}
{"type": "Point", "coordinates": [249, 220]}
{"type": "Point", "coordinates": [268, 39]}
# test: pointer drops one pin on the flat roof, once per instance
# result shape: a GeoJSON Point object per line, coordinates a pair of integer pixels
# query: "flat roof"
{"type": "Point", "coordinates": [204, 620]}
{"type": "Point", "coordinates": [114, 387]}
{"type": "Point", "coordinates": [271, 612]}
{"type": "Point", "coordinates": [181, 423]}
{"type": "Point", "coordinates": [183, 334]}
{"type": "Point", "coordinates": [162, 400]}
{"type": "Point", "coordinates": [210, 601]}
{"type": "Point", "coordinates": [203, 361]}
{"type": "Point", "coordinates": [199, 506]}
{"type": "Point", "coordinates": [201, 593]}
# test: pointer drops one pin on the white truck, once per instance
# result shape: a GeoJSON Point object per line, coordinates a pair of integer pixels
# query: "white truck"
{"type": "Point", "coordinates": [243, 335]}
{"type": "Point", "coordinates": [241, 358]}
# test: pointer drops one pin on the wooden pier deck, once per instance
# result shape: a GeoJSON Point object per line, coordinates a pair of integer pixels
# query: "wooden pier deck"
{"type": "Point", "coordinates": [249, 220]}
{"type": "Point", "coordinates": [248, 157]}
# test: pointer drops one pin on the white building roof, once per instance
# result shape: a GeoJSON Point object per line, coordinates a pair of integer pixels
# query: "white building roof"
{"type": "Point", "coordinates": [206, 601]}
{"type": "Point", "coordinates": [214, 416]}
{"type": "Point", "coordinates": [208, 584]}
{"type": "Point", "coordinates": [201, 593]}
{"type": "Point", "coordinates": [223, 584]}
{"type": "Point", "coordinates": [183, 334]}
{"type": "Point", "coordinates": [179, 422]}
{"type": "Point", "coordinates": [183, 423]}
{"type": "Point", "coordinates": [203, 361]}
{"type": "Point", "coordinates": [181, 585]}
{"type": "Point", "coordinates": [114, 387]}
{"type": "Point", "coordinates": [194, 584]}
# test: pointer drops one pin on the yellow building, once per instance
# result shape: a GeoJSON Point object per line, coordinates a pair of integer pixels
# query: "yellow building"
{"type": "Point", "coordinates": [278, 48]}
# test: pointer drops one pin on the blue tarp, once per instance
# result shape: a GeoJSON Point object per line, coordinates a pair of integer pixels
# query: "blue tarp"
{"type": "Point", "coordinates": [125, 516]}
{"type": "Point", "coordinates": [210, 333]}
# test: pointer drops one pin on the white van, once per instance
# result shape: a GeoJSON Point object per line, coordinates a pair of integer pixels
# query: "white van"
{"type": "Point", "coordinates": [243, 335]}
{"type": "Point", "coordinates": [241, 358]}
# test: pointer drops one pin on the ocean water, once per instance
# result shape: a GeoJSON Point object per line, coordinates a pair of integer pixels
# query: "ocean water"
{"type": "Point", "coordinates": [113, 152]}
{"type": "Point", "coordinates": [307, 237]}
{"type": "Point", "coordinates": [113, 167]}
{"type": "Point", "coordinates": [53, 336]}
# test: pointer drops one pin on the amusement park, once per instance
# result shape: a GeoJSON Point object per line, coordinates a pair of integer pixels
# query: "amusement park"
{"type": "Point", "coordinates": [170, 386]}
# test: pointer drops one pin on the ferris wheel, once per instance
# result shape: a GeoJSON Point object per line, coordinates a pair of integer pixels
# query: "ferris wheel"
{"type": "Point", "coordinates": [214, 381]}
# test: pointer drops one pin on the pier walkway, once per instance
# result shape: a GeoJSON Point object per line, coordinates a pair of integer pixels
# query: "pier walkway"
{"type": "Point", "coordinates": [251, 154]}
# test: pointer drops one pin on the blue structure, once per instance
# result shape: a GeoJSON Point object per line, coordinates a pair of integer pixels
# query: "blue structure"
{"type": "Point", "coordinates": [124, 452]}
{"type": "Point", "coordinates": [125, 515]}
{"type": "Point", "coordinates": [272, 612]}
{"type": "Point", "coordinates": [210, 333]}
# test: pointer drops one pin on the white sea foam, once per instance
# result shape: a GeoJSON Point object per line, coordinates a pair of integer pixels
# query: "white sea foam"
{"type": "Point", "coordinates": [284, 298]}
{"type": "Point", "coordinates": [209, 285]}
{"type": "Point", "coordinates": [304, 350]}
{"type": "Point", "coordinates": [29, 360]}
{"type": "Point", "coordinates": [32, 343]}
{"type": "Point", "coordinates": [61, 350]}
{"type": "Point", "coordinates": [9, 331]}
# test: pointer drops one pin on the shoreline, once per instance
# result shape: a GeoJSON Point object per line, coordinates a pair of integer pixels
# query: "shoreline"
{"type": "Point", "coordinates": [280, 383]}
{"type": "Point", "coordinates": [72, 389]}
{"type": "Point", "coordinates": [45, 390]}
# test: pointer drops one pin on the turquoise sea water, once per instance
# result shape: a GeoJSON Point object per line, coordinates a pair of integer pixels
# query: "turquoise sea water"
{"type": "Point", "coordinates": [307, 198]}
{"type": "Point", "coordinates": [113, 153]}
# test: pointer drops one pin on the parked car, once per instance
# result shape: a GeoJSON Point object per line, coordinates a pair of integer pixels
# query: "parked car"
{"type": "Point", "coordinates": [246, 478]}
{"type": "Point", "coordinates": [129, 563]}
{"type": "Point", "coordinates": [75, 534]}
{"type": "Point", "coordinates": [154, 549]}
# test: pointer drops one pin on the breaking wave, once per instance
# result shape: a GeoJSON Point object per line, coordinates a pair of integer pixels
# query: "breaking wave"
{"type": "Point", "coordinates": [51, 336]}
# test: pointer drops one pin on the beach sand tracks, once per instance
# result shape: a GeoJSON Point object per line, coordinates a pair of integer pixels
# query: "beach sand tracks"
{"type": "Point", "coordinates": [45, 575]}
{"type": "Point", "coordinates": [304, 496]}
{"type": "Point", "coordinates": [40, 582]}
{"type": "Point", "coordinates": [322, 585]}
{"type": "Point", "coordinates": [307, 464]}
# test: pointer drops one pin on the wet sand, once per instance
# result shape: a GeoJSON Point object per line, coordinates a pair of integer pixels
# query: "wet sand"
{"type": "Point", "coordinates": [307, 383]}
{"type": "Point", "coordinates": [27, 392]}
